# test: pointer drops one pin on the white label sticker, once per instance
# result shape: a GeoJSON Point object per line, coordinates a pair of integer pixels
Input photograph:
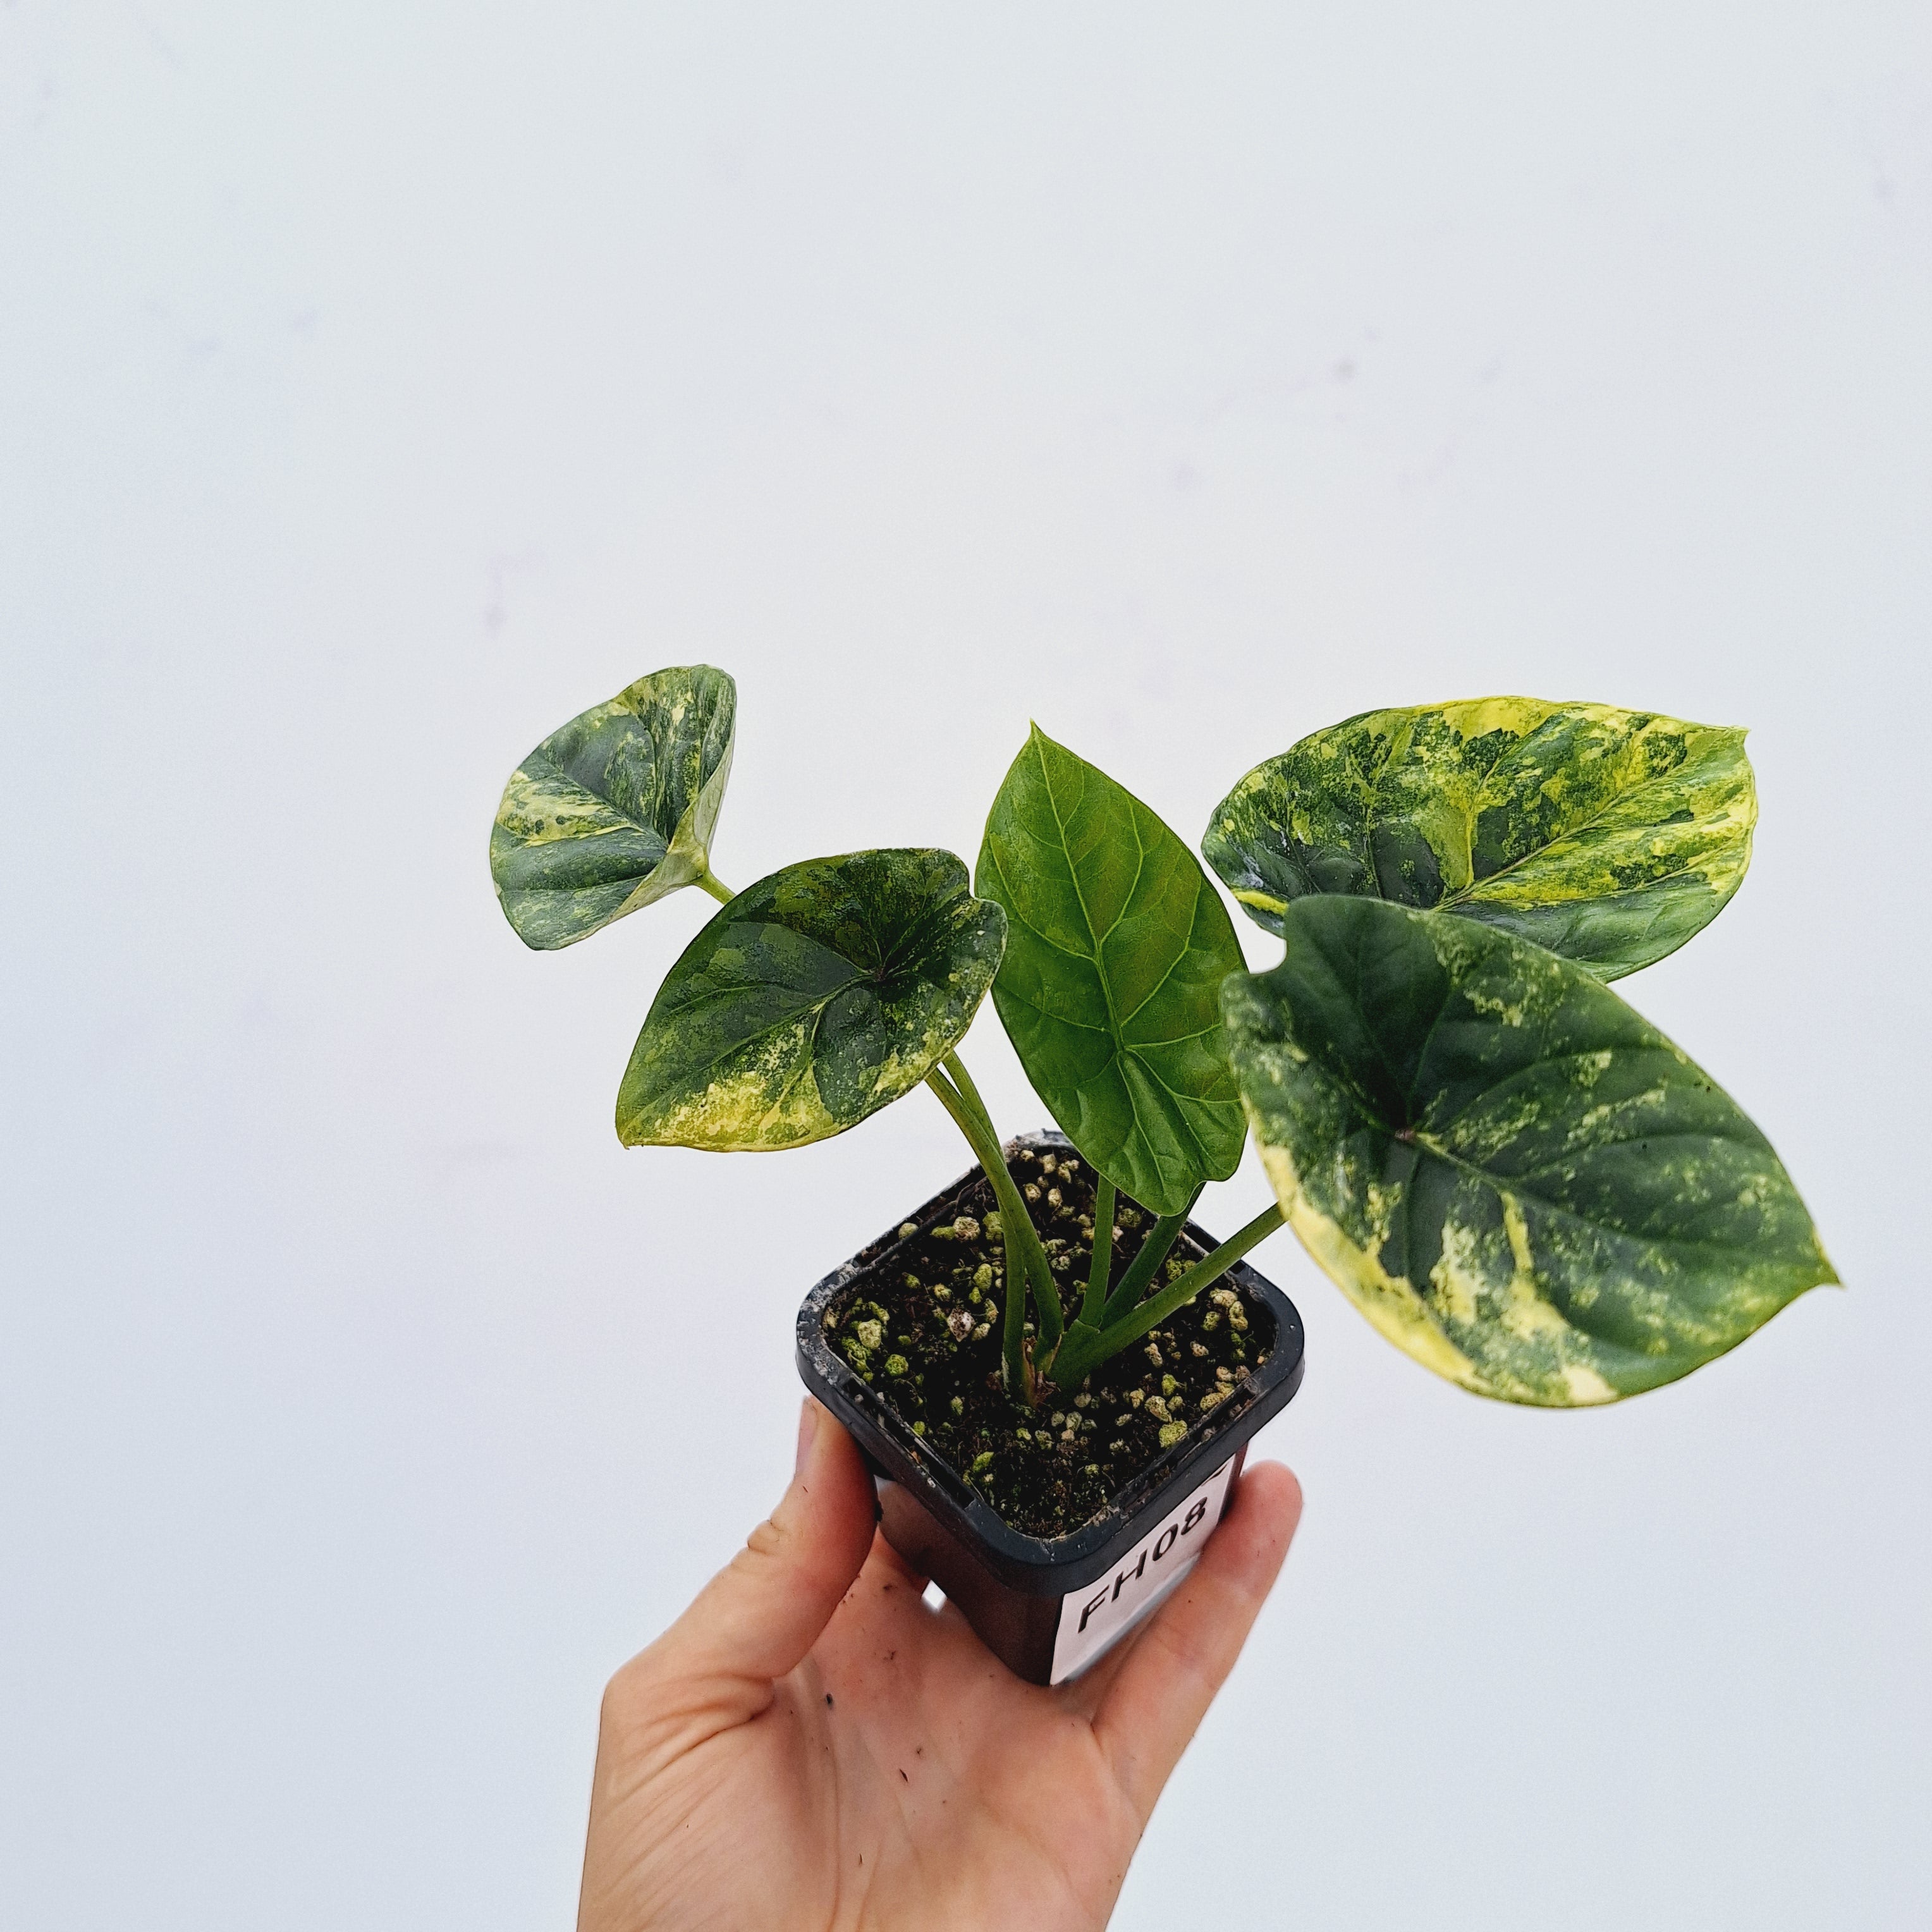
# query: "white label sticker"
{"type": "Point", "coordinates": [1090, 1619]}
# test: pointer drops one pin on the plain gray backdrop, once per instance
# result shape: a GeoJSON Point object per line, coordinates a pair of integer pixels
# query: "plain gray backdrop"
{"type": "Point", "coordinates": [381, 385]}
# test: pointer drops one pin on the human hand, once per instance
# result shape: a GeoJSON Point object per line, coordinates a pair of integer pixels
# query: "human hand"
{"type": "Point", "coordinates": [812, 1745]}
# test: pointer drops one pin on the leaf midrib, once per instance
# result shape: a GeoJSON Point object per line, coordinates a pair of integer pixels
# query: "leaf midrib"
{"type": "Point", "coordinates": [1120, 1046]}
{"type": "Point", "coordinates": [1073, 877]}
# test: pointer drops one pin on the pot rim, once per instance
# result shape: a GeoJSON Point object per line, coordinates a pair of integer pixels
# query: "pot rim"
{"type": "Point", "coordinates": [1046, 1565]}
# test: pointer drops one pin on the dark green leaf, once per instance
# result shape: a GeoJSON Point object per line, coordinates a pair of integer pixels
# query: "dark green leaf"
{"type": "Point", "coordinates": [1516, 1178]}
{"type": "Point", "coordinates": [615, 809]}
{"type": "Point", "coordinates": [1117, 944]}
{"type": "Point", "coordinates": [812, 999]}
{"type": "Point", "coordinates": [1608, 836]}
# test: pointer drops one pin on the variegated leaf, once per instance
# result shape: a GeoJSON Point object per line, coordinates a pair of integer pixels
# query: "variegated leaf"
{"type": "Point", "coordinates": [1516, 1178]}
{"type": "Point", "coordinates": [813, 999]}
{"type": "Point", "coordinates": [1608, 836]}
{"type": "Point", "coordinates": [617, 809]}
{"type": "Point", "coordinates": [1117, 944]}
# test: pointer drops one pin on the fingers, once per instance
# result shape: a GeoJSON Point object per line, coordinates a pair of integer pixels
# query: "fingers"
{"type": "Point", "coordinates": [757, 1617]}
{"type": "Point", "coordinates": [1170, 1675]}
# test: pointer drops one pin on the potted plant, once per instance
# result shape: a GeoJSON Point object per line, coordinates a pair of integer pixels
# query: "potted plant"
{"type": "Point", "coordinates": [1053, 1370]}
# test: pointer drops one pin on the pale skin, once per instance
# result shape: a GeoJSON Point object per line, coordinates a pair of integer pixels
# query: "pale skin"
{"type": "Point", "coordinates": [812, 1745]}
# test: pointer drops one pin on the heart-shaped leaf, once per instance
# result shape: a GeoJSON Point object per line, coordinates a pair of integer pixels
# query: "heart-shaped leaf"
{"type": "Point", "coordinates": [1608, 836]}
{"type": "Point", "coordinates": [1117, 946]}
{"type": "Point", "coordinates": [617, 809]}
{"type": "Point", "coordinates": [1516, 1178]}
{"type": "Point", "coordinates": [812, 999]}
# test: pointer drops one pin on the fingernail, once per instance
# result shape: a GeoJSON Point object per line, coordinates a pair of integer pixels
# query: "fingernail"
{"type": "Point", "coordinates": [807, 1427]}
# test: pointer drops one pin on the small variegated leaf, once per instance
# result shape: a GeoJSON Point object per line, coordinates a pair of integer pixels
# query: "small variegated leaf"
{"type": "Point", "coordinates": [1514, 1177]}
{"type": "Point", "coordinates": [1117, 944]}
{"type": "Point", "coordinates": [1608, 836]}
{"type": "Point", "coordinates": [617, 809]}
{"type": "Point", "coordinates": [813, 999]}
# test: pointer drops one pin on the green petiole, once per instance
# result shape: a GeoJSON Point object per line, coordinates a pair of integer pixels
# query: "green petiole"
{"type": "Point", "coordinates": [1154, 1250]}
{"type": "Point", "coordinates": [1091, 1309]}
{"type": "Point", "coordinates": [1048, 1320]}
{"type": "Point", "coordinates": [1026, 1259]}
{"type": "Point", "coordinates": [1086, 1348]}
{"type": "Point", "coordinates": [1106, 1323]}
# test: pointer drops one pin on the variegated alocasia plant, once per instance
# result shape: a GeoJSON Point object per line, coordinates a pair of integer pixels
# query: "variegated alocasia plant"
{"type": "Point", "coordinates": [1516, 1179]}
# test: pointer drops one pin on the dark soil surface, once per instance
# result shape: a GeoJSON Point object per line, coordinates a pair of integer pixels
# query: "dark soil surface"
{"type": "Point", "coordinates": [922, 1328]}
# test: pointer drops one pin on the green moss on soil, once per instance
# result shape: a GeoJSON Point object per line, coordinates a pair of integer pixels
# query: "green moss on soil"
{"type": "Point", "coordinates": [923, 1329]}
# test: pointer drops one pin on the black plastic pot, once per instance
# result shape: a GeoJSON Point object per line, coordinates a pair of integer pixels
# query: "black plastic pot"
{"type": "Point", "coordinates": [1048, 1608]}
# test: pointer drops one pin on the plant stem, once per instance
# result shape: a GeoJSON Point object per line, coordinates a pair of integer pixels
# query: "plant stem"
{"type": "Point", "coordinates": [1087, 1355]}
{"type": "Point", "coordinates": [1039, 1272]}
{"type": "Point", "coordinates": [1092, 1307]}
{"type": "Point", "coordinates": [1015, 1227]}
{"type": "Point", "coordinates": [718, 890]}
{"type": "Point", "coordinates": [1153, 1251]}
{"type": "Point", "coordinates": [955, 1069]}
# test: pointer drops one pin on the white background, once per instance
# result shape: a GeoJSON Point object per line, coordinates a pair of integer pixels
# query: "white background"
{"type": "Point", "coordinates": [381, 384]}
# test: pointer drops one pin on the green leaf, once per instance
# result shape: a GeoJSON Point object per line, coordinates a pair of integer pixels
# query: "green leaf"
{"type": "Point", "coordinates": [1516, 1178]}
{"type": "Point", "coordinates": [617, 809]}
{"type": "Point", "coordinates": [1117, 944]}
{"type": "Point", "coordinates": [812, 999]}
{"type": "Point", "coordinates": [1608, 836]}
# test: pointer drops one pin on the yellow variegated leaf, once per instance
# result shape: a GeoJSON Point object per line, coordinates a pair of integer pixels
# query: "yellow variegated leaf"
{"type": "Point", "coordinates": [813, 999]}
{"type": "Point", "coordinates": [1608, 836]}
{"type": "Point", "coordinates": [617, 809]}
{"type": "Point", "coordinates": [1518, 1179]}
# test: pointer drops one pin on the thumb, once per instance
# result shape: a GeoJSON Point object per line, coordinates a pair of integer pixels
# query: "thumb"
{"type": "Point", "coordinates": [1150, 1710]}
{"type": "Point", "coordinates": [756, 1619]}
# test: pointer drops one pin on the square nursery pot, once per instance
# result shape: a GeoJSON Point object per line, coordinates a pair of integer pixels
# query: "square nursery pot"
{"type": "Point", "coordinates": [1048, 1608]}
